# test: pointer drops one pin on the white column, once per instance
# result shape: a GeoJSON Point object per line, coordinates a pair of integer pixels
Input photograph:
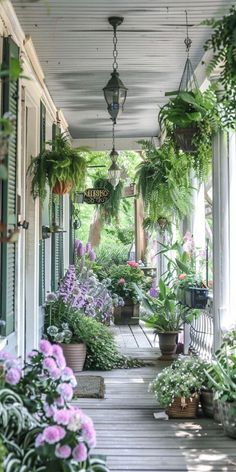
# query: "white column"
{"type": "Point", "coordinates": [221, 272]}
{"type": "Point", "coordinates": [232, 226]}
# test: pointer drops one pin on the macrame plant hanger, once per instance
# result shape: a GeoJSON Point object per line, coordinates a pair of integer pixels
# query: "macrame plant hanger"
{"type": "Point", "coordinates": [188, 80]}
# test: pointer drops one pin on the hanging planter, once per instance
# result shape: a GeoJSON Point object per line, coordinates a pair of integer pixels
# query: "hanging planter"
{"type": "Point", "coordinates": [184, 137]}
{"type": "Point", "coordinates": [61, 168]}
{"type": "Point", "coordinates": [196, 297]}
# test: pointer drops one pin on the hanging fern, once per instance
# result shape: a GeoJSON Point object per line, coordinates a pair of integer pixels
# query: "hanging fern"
{"type": "Point", "coordinates": [163, 179]}
{"type": "Point", "coordinates": [109, 209]}
{"type": "Point", "coordinates": [223, 44]}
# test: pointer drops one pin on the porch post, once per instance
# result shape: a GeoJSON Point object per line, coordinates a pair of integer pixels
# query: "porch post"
{"type": "Point", "coordinates": [221, 186]}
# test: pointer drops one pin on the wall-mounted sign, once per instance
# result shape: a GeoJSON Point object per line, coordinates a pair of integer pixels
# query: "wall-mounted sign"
{"type": "Point", "coordinates": [96, 195]}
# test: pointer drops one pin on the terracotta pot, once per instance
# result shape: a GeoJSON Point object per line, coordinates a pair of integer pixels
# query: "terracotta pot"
{"type": "Point", "coordinates": [75, 355]}
{"type": "Point", "coordinates": [206, 399]}
{"type": "Point", "coordinates": [60, 188]}
{"type": "Point", "coordinates": [228, 418]}
{"type": "Point", "coordinates": [183, 408]}
{"type": "Point", "coordinates": [127, 314]}
{"type": "Point", "coordinates": [184, 138]}
{"type": "Point", "coordinates": [168, 344]}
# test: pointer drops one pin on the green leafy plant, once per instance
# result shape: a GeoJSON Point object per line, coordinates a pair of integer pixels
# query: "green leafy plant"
{"type": "Point", "coordinates": [164, 314]}
{"type": "Point", "coordinates": [163, 179]}
{"type": "Point", "coordinates": [200, 112]}
{"type": "Point", "coordinates": [110, 208]}
{"type": "Point", "coordinates": [108, 256]}
{"type": "Point", "coordinates": [223, 44]}
{"type": "Point", "coordinates": [124, 280]}
{"type": "Point", "coordinates": [60, 165]}
{"type": "Point", "coordinates": [183, 378]}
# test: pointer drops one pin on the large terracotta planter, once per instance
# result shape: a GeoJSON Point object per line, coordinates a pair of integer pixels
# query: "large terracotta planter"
{"type": "Point", "coordinates": [168, 344]}
{"type": "Point", "coordinates": [127, 314]}
{"type": "Point", "coordinates": [228, 418]}
{"type": "Point", "coordinates": [206, 399]}
{"type": "Point", "coordinates": [183, 407]}
{"type": "Point", "coordinates": [60, 188]}
{"type": "Point", "coordinates": [75, 355]}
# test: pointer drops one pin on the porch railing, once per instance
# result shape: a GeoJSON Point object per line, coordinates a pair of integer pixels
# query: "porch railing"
{"type": "Point", "coordinates": [202, 333]}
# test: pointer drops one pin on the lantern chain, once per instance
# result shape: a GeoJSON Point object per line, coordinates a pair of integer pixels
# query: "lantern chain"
{"type": "Point", "coordinates": [115, 52]}
{"type": "Point", "coordinates": [113, 135]}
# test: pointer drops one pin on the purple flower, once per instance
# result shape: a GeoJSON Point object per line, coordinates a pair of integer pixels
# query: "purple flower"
{"type": "Point", "coordinates": [60, 401]}
{"type": "Point", "coordinates": [49, 410]}
{"type": "Point", "coordinates": [53, 434]}
{"type": "Point", "coordinates": [39, 441]}
{"type": "Point", "coordinates": [57, 350]}
{"type": "Point", "coordinates": [77, 243]}
{"type": "Point", "coordinates": [62, 416]}
{"type": "Point", "coordinates": [32, 354]}
{"type": "Point", "coordinates": [5, 355]}
{"type": "Point", "coordinates": [62, 452]}
{"type": "Point", "coordinates": [80, 250]}
{"type": "Point", "coordinates": [55, 374]}
{"type": "Point", "coordinates": [13, 376]}
{"type": "Point", "coordinates": [88, 247]}
{"type": "Point", "coordinates": [49, 364]}
{"type": "Point", "coordinates": [45, 347]}
{"type": "Point", "coordinates": [92, 255]}
{"type": "Point", "coordinates": [65, 390]}
{"type": "Point", "coordinates": [88, 431]}
{"type": "Point", "coordinates": [51, 297]}
{"type": "Point", "coordinates": [80, 453]}
{"type": "Point", "coordinates": [61, 362]}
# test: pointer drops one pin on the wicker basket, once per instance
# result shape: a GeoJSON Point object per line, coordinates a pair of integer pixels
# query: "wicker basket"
{"type": "Point", "coordinates": [60, 188]}
{"type": "Point", "coordinates": [184, 407]}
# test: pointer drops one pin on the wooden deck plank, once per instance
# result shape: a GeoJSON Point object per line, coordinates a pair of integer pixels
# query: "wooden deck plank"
{"type": "Point", "coordinates": [133, 440]}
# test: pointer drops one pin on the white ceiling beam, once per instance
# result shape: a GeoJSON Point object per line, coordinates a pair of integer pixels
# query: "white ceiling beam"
{"type": "Point", "coordinates": [105, 144]}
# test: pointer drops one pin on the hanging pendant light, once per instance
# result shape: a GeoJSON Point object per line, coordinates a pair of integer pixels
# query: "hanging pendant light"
{"type": "Point", "coordinates": [115, 91]}
{"type": "Point", "coordinates": [114, 172]}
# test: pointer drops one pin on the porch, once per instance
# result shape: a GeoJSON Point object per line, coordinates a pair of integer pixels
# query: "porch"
{"type": "Point", "coordinates": [133, 440]}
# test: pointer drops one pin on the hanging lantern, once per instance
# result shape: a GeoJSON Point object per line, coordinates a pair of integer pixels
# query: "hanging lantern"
{"type": "Point", "coordinates": [115, 91]}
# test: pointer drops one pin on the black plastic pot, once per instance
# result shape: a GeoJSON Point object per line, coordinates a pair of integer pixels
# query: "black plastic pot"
{"type": "Point", "coordinates": [196, 297]}
{"type": "Point", "coordinates": [184, 138]}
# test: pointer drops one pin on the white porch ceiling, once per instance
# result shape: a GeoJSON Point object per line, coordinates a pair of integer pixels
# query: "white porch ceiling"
{"type": "Point", "coordinates": [73, 41]}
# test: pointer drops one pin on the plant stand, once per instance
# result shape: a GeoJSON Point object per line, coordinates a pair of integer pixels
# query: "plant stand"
{"type": "Point", "coordinates": [196, 297]}
{"type": "Point", "coordinates": [127, 314]}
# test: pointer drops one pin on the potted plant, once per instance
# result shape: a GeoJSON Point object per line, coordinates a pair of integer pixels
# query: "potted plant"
{"type": "Point", "coordinates": [166, 317]}
{"type": "Point", "coordinates": [60, 167]}
{"type": "Point", "coordinates": [125, 280]}
{"type": "Point", "coordinates": [177, 388]}
{"type": "Point", "coordinates": [191, 118]}
{"type": "Point", "coordinates": [73, 350]}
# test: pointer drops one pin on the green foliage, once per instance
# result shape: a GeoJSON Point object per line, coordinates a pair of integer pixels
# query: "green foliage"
{"type": "Point", "coordinates": [59, 164]}
{"type": "Point", "coordinates": [223, 44]}
{"type": "Point", "coordinates": [124, 280]}
{"type": "Point", "coordinates": [107, 254]}
{"type": "Point", "coordinates": [183, 378]}
{"type": "Point", "coordinates": [109, 209]}
{"type": "Point", "coordinates": [163, 180]}
{"type": "Point", "coordinates": [164, 314]}
{"type": "Point", "coordinates": [2, 455]}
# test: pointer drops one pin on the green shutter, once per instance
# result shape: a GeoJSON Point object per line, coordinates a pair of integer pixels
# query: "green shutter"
{"type": "Point", "coordinates": [72, 235]}
{"type": "Point", "coordinates": [42, 285]}
{"type": "Point", "coordinates": [10, 90]}
{"type": "Point", "coordinates": [57, 264]}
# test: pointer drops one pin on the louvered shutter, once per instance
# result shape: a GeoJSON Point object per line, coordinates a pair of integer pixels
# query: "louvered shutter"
{"type": "Point", "coordinates": [42, 285]}
{"type": "Point", "coordinates": [10, 91]}
{"type": "Point", "coordinates": [57, 238]}
{"type": "Point", "coordinates": [72, 235]}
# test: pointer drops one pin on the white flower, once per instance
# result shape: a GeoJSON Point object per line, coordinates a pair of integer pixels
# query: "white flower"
{"type": "Point", "coordinates": [75, 422]}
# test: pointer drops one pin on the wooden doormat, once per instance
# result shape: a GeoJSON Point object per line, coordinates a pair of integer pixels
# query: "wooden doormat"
{"type": "Point", "coordinates": [89, 386]}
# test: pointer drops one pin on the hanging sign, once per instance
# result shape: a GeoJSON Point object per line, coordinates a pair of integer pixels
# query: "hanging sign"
{"type": "Point", "coordinates": [96, 195]}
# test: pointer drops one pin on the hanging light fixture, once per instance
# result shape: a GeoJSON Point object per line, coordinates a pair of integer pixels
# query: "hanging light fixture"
{"type": "Point", "coordinates": [115, 91]}
{"type": "Point", "coordinates": [114, 172]}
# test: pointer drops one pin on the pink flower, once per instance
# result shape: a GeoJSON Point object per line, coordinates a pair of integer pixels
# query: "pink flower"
{"type": "Point", "coordinates": [60, 401]}
{"type": "Point", "coordinates": [75, 419]}
{"type": "Point", "coordinates": [39, 441]}
{"type": "Point", "coordinates": [89, 433]}
{"type": "Point", "coordinates": [68, 374]}
{"type": "Point", "coordinates": [55, 374]}
{"type": "Point", "coordinates": [32, 354]}
{"type": "Point", "coordinates": [121, 281]}
{"type": "Point", "coordinates": [66, 391]}
{"type": "Point", "coordinates": [133, 264]}
{"type": "Point", "coordinates": [61, 362]}
{"type": "Point", "coordinates": [62, 452]}
{"type": "Point", "coordinates": [13, 376]}
{"type": "Point", "coordinates": [182, 276]}
{"type": "Point", "coordinates": [45, 347]}
{"type": "Point", "coordinates": [57, 350]}
{"type": "Point", "coordinates": [49, 364]}
{"type": "Point", "coordinates": [53, 434]}
{"type": "Point", "coordinates": [49, 410]}
{"type": "Point", "coordinates": [62, 416]}
{"type": "Point", "coordinates": [187, 236]}
{"type": "Point", "coordinates": [80, 453]}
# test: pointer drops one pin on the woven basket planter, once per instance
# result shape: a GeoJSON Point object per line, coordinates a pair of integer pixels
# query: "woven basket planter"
{"type": "Point", "coordinates": [75, 355]}
{"type": "Point", "coordinates": [61, 188]}
{"type": "Point", "coordinates": [184, 408]}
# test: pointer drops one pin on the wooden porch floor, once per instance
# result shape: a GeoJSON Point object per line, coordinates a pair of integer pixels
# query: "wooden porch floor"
{"type": "Point", "coordinates": [133, 440]}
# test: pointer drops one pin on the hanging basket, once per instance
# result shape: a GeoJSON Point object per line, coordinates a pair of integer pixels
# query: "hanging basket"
{"type": "Point", "coordinates": [184, 138]}
{"type": "Point", "coordinates": [61, 188]}
{"type": "Point", "coordinates": [184, 407]}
